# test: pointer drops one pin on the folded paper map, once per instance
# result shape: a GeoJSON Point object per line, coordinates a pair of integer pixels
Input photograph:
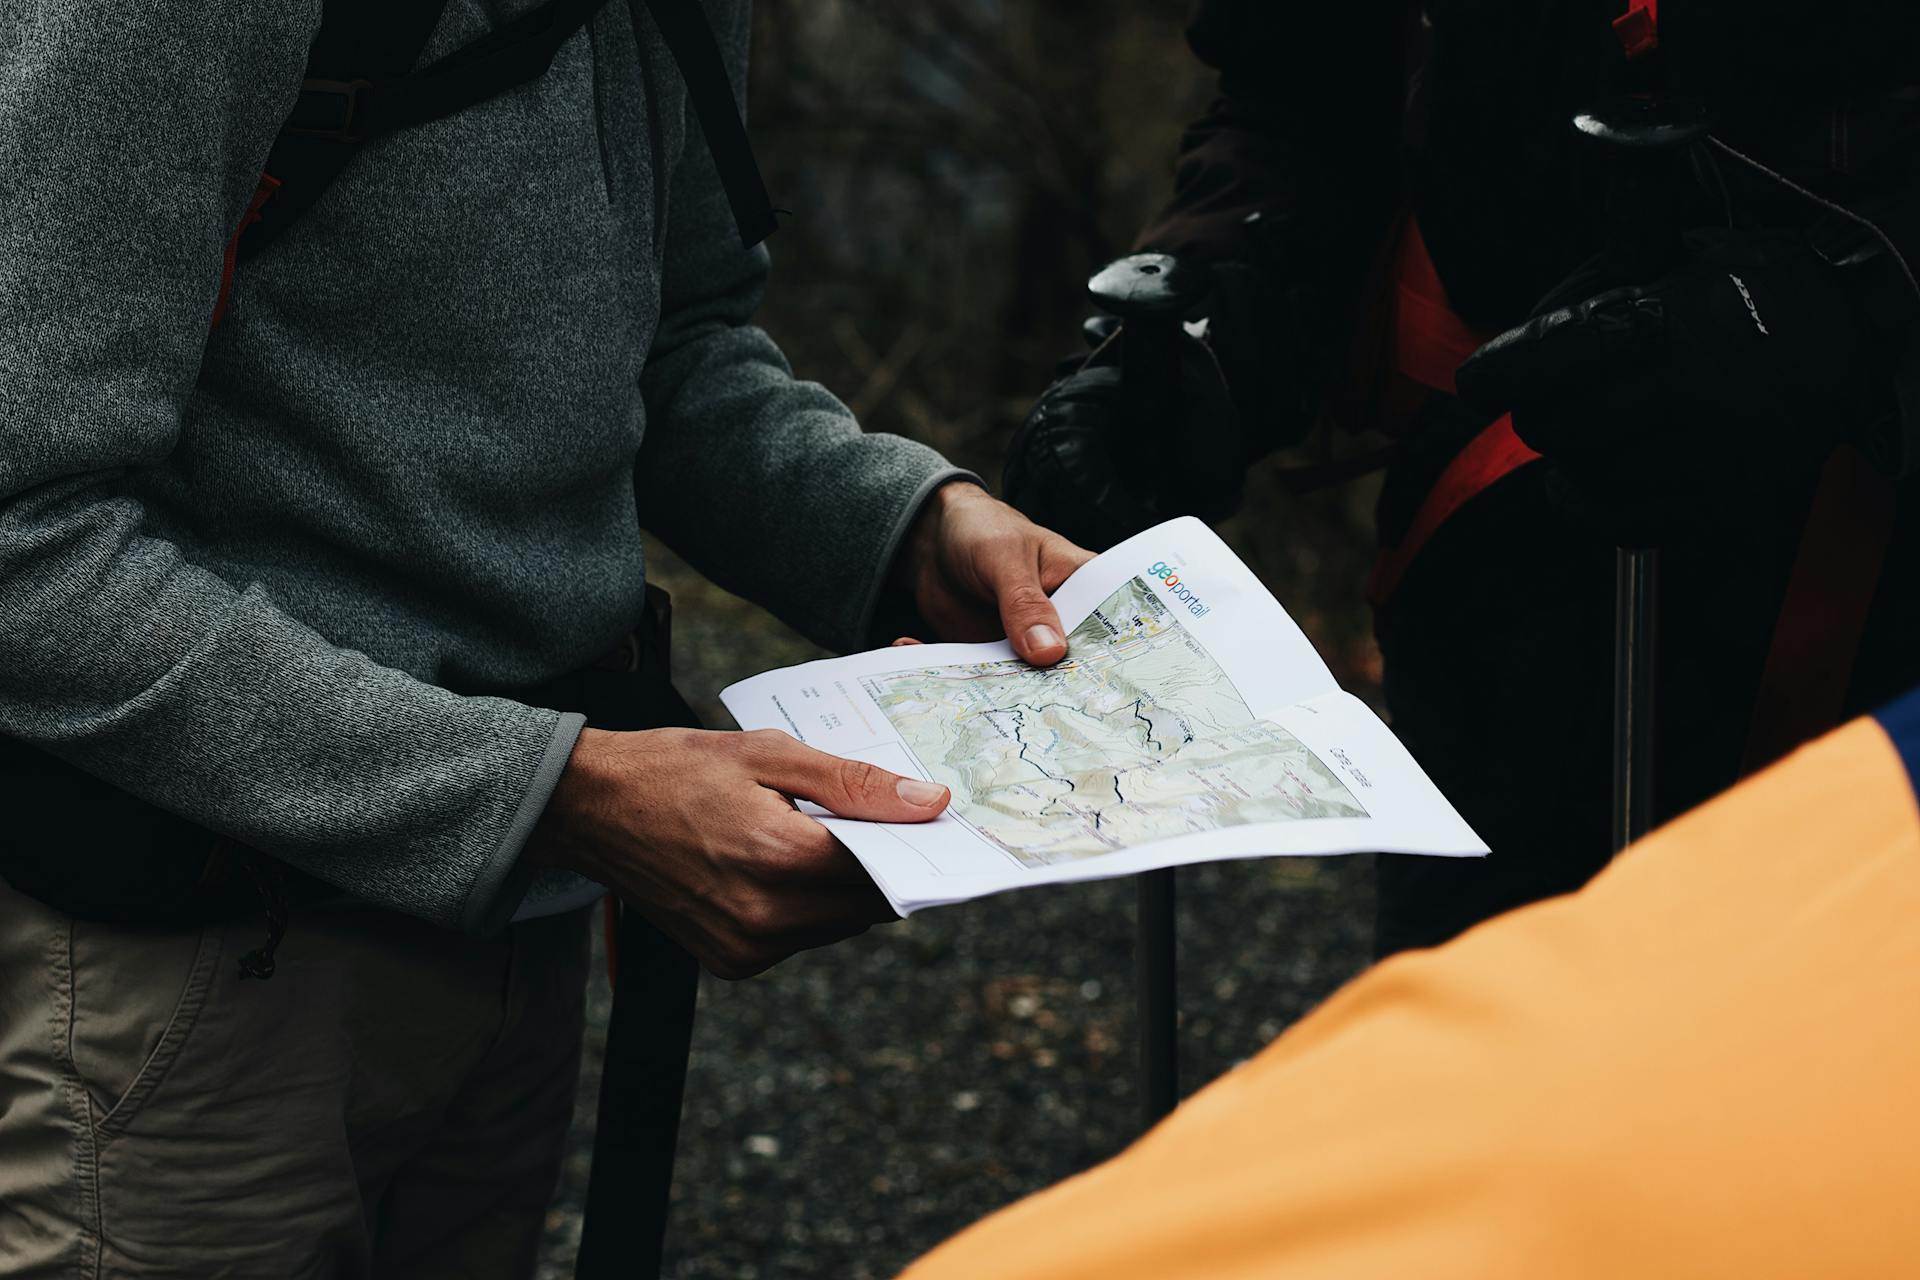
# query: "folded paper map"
{"type": "Point", "coordinates": [1191, 721]}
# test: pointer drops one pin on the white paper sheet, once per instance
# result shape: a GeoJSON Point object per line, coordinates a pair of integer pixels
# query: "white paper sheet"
{"type": "Point", "coordinates": [1192, 721]}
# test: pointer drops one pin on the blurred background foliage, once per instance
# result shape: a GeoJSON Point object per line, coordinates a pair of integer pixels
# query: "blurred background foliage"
{"type": "Point", "coordinates": [956, 169]}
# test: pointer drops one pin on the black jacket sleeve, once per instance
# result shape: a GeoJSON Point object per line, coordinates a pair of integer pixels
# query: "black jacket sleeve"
{"type": "Point", "coordinates": [1295, 166]}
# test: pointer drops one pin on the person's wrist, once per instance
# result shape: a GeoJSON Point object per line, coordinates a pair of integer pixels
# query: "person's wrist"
{"type": "Point", "coordinates": [920, 549]}
{"type": "Point", "coordinates": [561, 839]}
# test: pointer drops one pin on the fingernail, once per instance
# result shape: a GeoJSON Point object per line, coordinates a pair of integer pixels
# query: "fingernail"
{"type": "Point", "coordinates": [1042, 637]}
{"type": "Point", "coordinates": [924, 794]}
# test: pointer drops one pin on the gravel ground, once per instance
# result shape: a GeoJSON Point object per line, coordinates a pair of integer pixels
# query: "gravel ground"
{"type": "Point", "coordinates": [855, 1106]}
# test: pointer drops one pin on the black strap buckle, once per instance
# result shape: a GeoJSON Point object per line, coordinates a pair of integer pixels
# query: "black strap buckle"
{"type": "Point", "coordinates": [329, 109]}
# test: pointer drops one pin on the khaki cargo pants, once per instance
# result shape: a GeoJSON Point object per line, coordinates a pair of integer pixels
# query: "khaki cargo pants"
{"type": "Point", "coordinates": [393, 1102]}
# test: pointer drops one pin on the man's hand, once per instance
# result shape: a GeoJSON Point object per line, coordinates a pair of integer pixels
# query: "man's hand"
{"type": "Point", "coordinates": [697, 830]}
{"type": "Point", "coordinates": [978, 570]}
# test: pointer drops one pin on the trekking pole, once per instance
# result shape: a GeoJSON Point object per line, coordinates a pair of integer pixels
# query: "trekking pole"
{"type": "Point", "coordinates": [1150, 292]}
{"type": "Point", "coordinates": [1635, 635]}
{"type": "Point", "coordinates": [643, 1078]}
{"type": "Point", "coordinates": [1157, 998]}
{"type": "Point", "coordinates": [643, 1075]}
{"type": "Point", "coordinates": [1649, 136]}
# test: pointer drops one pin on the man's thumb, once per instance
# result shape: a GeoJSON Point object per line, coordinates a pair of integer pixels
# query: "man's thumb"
{"type": "Point", "coordinates": [1032, 623]}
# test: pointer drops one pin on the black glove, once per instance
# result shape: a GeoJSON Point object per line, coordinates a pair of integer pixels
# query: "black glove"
{"type": "Point", "coordinates": [1256, 333]}
{"type": "Point", "coordinates": [1075, 465]}
{"type": "Point", "coordinates": [1701, 401]}
{"type": "Point", "coordinates": [1080, 467]}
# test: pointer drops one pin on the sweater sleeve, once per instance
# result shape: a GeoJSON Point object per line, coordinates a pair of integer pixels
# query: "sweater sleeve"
{"type": "Point", "coordinates": [764, 482]}
{"type": "Point", "coordinates": [132, 136]}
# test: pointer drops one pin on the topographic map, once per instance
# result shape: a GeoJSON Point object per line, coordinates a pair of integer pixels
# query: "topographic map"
{"type": "Point", "coordinates": [1137, 736]}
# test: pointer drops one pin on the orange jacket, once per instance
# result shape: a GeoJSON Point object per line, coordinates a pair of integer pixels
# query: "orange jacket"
{"type": "Point", "coordinates": [1707, 1063]}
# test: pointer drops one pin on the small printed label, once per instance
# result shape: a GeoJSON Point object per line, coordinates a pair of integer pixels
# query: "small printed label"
{"type": "Point", "coordinates": [1169, 579]}
{"type": "Point", "coordinates": [1747, 298]}
{"type": "Point", "coordinates": [1352, 770]}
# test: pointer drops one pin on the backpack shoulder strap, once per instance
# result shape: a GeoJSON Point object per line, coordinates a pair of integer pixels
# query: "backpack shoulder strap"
{"type": "Point", "coordinates": [683, 28]}
{"type": "Point", "coordinates": [360, 43]}
{"type": "Point", "coordinates": [361, 84]}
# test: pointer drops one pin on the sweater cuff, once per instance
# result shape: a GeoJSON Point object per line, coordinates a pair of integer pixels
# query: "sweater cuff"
{"type": "Point", "coordinates": [908, 514]}
{"type": "Point", "coordinates": [496, 892]}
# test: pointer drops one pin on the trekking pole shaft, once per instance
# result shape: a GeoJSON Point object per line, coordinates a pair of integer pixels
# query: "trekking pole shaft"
{"type": "Point", "coordinates": [1651, 138]}
{"type": "Point", "coordinates": [1635, 626]}
{"type": "Point", "coordinates": [642, 1081]}
{"type": "Point", "coordinates": [1158, 1006]}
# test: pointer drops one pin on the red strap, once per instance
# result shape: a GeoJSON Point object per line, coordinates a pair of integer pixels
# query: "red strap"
{"type": "Point", "coordinates": [1803, 686]}
{"type": "Point", "coordinates": [1494, 453]}
{"type": "Point", "coordinates": [1407, 344]}
{"type": "Point", "coordinates": [262, 192]}
{"type": "Point", "coordinates": [1639, 28]}
{"type": "Point", "coordinates": [1429, 340]}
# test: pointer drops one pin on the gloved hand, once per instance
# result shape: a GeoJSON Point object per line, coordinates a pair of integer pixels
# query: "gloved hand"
{"type": "Point", "coordinates": [1075, 467]}
{"type": "Point", "coordinates": [1700, 401]}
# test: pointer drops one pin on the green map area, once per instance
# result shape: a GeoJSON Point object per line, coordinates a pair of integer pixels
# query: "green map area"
{"type": "Point", "coordinates": [1137, 736]}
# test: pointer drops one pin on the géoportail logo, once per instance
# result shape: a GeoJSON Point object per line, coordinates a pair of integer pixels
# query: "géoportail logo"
{"type": "Point", "coordinates": [1170, 582]}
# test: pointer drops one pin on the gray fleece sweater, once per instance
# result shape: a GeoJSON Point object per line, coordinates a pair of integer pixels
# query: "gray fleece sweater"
{"type": "Point", "coordinates": [237, 570]}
